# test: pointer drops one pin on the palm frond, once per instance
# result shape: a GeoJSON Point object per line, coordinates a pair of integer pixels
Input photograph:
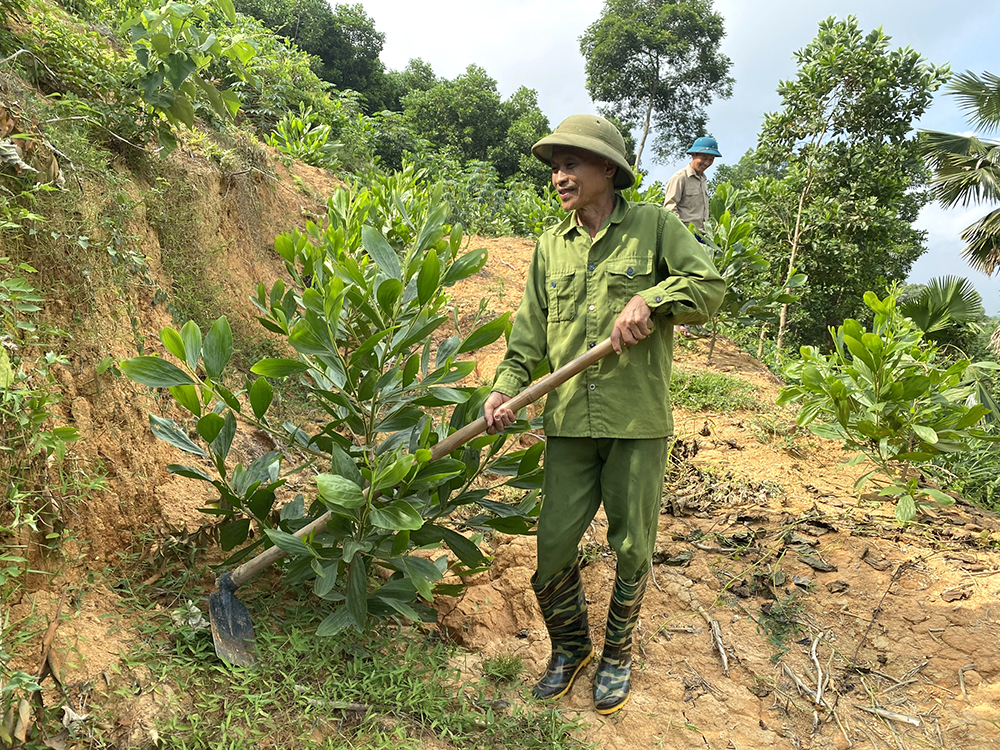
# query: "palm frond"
{"type": "Point", "coordinates": [978, 97]}
{"type": "Point", "coordinates": [947, 302]}
{"type": "Point", "coordinates": [995, 341]}
{"type": "Point", "coordinates": [966, 169]}
{"type": "Point", "coordinates": [983, 248]}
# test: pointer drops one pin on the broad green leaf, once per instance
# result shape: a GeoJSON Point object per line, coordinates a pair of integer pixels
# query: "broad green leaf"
{"type": "Point", "coordinates": [446, 349]}
{"type": "Point", "coordinates": [927, 434]}
{"type": "Point", "coordinates": [906, 509]}
{"type": "Point", "coordinates": [187, 396]}
{"type": "Point", "coordinates": [485, 334]}
{"type": "Point", "coordinates": [6, 373]}
{"type": "Point", "coordinates": [381, 252]}
{"type": "Point", "coordinates": [410, 370]}
{"type": "Point", "coordinates": [341, 464]}
{"type": "Point", "coordinates": [155, 372]}
{"type": "Point", "coordinates": [939, 497]}
{"type": "Point", "coordinates": [357, 593]}
{"type": "Point", "coordinates": [397, 516]}
{"type": "Point", "coordinates": [423, 573]}
{"type": "Point", "coordinates": [289, 544]}
{"type": "Point", "coordinates": [210, 426]}
{"type": "Point", "coordinates": [191, 472]}
{"type": "Point", "coordinates": [294, 510]}
{"type": "Point", "coordinates": [168, 431]}
{"type": "Point", "coordinates": [462, 546]}
{"type": "Point", "coordinates": [228, 9]}
{"type": "Point", "coordinates": [351, 547]}
{"type": "Point", "coordinates": [224, 440]}
{"type": "Point", "coordinates": [234, 533]}
{"type": "Point", "coordinates": [387, 294]}
{"type": "Point", "coordinates": [172, 340]}
{"type": "Point", "coordinates": [390, 476]}
{"type": "Point", "coordinates": [338, 491]}
{"type": "Point", "coordinates": [191, 336]}
{"type": "Point", "coordinates": [470, 263]}
{"type": "Point", "coordinates": [218, 348]}
{"type": "Point", "coordinates": [429, 277]}
{"type": "Point", "coordinates": [335, 623]}
{"type": "Point", "coordinates": [228, 397]}
{"type": "Point", "coordinates": [261, 395]}
{"type": "Point", "coordinates": [278, 368]}
{"type": "Point", "coordinates": [326, 583]}
{"type": "Point", "coordinates": [531, 458]}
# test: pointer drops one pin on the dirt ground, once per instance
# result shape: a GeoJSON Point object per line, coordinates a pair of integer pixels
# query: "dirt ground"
{"type": "Point", "coordinates": [897, 643]}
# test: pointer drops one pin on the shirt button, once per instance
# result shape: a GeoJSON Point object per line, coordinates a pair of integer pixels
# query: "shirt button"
{"type": "Point", "coordinates": [553, 285]}
{"type": "Point", "coordinates": [591, 307]}
{"type": "Point", "coordinates": [592, 386]}
{"type": "Point", "coordinates": [658, 299]}
{"type": "Point", "coordinates": [630, 271]}
{"type": "Point", "coordinates": [590, 267]}
{"type": "Point", "coordinates": [592, 344]}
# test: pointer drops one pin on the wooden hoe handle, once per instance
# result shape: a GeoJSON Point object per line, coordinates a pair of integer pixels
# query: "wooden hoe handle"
{"type": "Point", "coordinates": [460, 437]}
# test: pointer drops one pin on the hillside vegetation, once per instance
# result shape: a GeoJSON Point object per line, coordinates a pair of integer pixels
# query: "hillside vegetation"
{"type": "Point", "coordinates": [229, 301]}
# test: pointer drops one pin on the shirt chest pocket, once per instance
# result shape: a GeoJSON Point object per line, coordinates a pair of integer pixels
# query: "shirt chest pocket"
{"type": "Point", "coordinates": [561, 295]}
{"type": "Point", "coordinates": [627, 277]}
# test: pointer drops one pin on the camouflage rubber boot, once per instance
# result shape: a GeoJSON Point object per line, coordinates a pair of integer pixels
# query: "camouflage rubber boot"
{"type": "Point", "coordinates": [612, 683]}
{"type": "Point", "coordinates": [564, 609]}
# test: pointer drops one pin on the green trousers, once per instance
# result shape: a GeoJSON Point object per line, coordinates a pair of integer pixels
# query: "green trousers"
{"type": "Point", "coordinates": [580, 474]}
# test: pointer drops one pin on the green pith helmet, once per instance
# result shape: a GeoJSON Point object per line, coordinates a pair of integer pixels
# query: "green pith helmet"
{"type": "Point", "coordinates": [591, 133]}
{"type": "Point", "coordinates": [705, 145]}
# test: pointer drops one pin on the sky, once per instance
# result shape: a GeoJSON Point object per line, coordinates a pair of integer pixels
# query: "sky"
{"type": "Point", "coordinates": [536, 44]}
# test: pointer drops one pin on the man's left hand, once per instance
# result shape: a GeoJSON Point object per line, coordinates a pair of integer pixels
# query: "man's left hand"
{"type": "Point", "coordinates": [633, 325]}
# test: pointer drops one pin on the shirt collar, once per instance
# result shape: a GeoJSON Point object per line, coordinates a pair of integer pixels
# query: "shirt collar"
{"type": "Point", "coordinates": [569, 222]}
{"type": "Point", "coordinates": [689, 171]}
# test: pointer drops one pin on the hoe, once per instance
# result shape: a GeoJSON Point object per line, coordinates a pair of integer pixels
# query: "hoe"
{"type": "Point", "coordinates": [232, 629]}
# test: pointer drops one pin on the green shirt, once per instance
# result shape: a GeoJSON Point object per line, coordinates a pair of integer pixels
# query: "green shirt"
{"type": "Point", "coordinates": [575, 290]}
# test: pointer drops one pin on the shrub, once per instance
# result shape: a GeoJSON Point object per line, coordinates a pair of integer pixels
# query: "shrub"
{"type": "Point", "coordinates": [365, 298]}
{"type": "Point", "coordinates": [890, 395]}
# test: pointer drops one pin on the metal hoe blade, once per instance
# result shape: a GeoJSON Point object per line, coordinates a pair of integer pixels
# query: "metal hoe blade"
{"type": "Point", "coordinates": [232, 630]}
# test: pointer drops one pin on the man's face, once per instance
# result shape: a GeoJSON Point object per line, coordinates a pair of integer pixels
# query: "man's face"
{"type": "Point", "coordinates": [701, 162]}
{"type": "Point", "coordinates": [581, 178]}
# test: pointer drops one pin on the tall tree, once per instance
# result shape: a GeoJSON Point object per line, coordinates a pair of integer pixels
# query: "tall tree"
{"type": "Point", "coordinates": [343, 40]}
{"type": "Point", "coordinates": [468, 116]}
{"type": "Point", "coordinates": [465, 114]}
{"type": "Point", "coordinates": [843, 208]}
{"type": "Point", "coordinates": [658, 62]}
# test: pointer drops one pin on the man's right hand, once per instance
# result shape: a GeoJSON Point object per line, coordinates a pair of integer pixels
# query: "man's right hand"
{"type": "Point", "coordinates": [498, 416]}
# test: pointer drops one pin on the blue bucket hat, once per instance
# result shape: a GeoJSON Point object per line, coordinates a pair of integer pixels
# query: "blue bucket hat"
{"type": "Point", "coordinates": [705, 145]}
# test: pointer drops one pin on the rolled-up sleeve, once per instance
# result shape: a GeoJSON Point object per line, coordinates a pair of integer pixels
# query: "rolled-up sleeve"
{"type": "Point", "coordinates": [692, 290]}
{"type": "Point", "coordinates": [527, 345]}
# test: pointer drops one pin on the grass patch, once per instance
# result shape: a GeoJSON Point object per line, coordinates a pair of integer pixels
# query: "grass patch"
{"type": "Point", "coordinates": [393, 688]}
{"type": "Point", "coordinates": [503, 668]}
{"type": "Point", "coordinates": [710, 391]}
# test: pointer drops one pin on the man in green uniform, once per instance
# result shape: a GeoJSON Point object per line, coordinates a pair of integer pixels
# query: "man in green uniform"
{"type": "Point", "coordinates": [630, 271]}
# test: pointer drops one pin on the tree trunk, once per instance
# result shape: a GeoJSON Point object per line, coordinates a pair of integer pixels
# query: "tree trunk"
{"type": "Point", "coordinates": [760, 344]}
{"type": "Point", "coordinates": [796, 236]}
{"type": "Point", "coordinates": [645, 132]}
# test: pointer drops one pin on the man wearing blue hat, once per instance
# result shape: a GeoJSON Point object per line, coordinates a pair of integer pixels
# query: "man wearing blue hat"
{"type": "Point", "coordinates": [687, 191]}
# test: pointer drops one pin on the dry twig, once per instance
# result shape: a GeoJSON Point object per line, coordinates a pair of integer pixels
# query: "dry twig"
{"type": "Point", "coordinates": [713, 626]}
{"type": "Point", "coordinates": [891, 715]}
